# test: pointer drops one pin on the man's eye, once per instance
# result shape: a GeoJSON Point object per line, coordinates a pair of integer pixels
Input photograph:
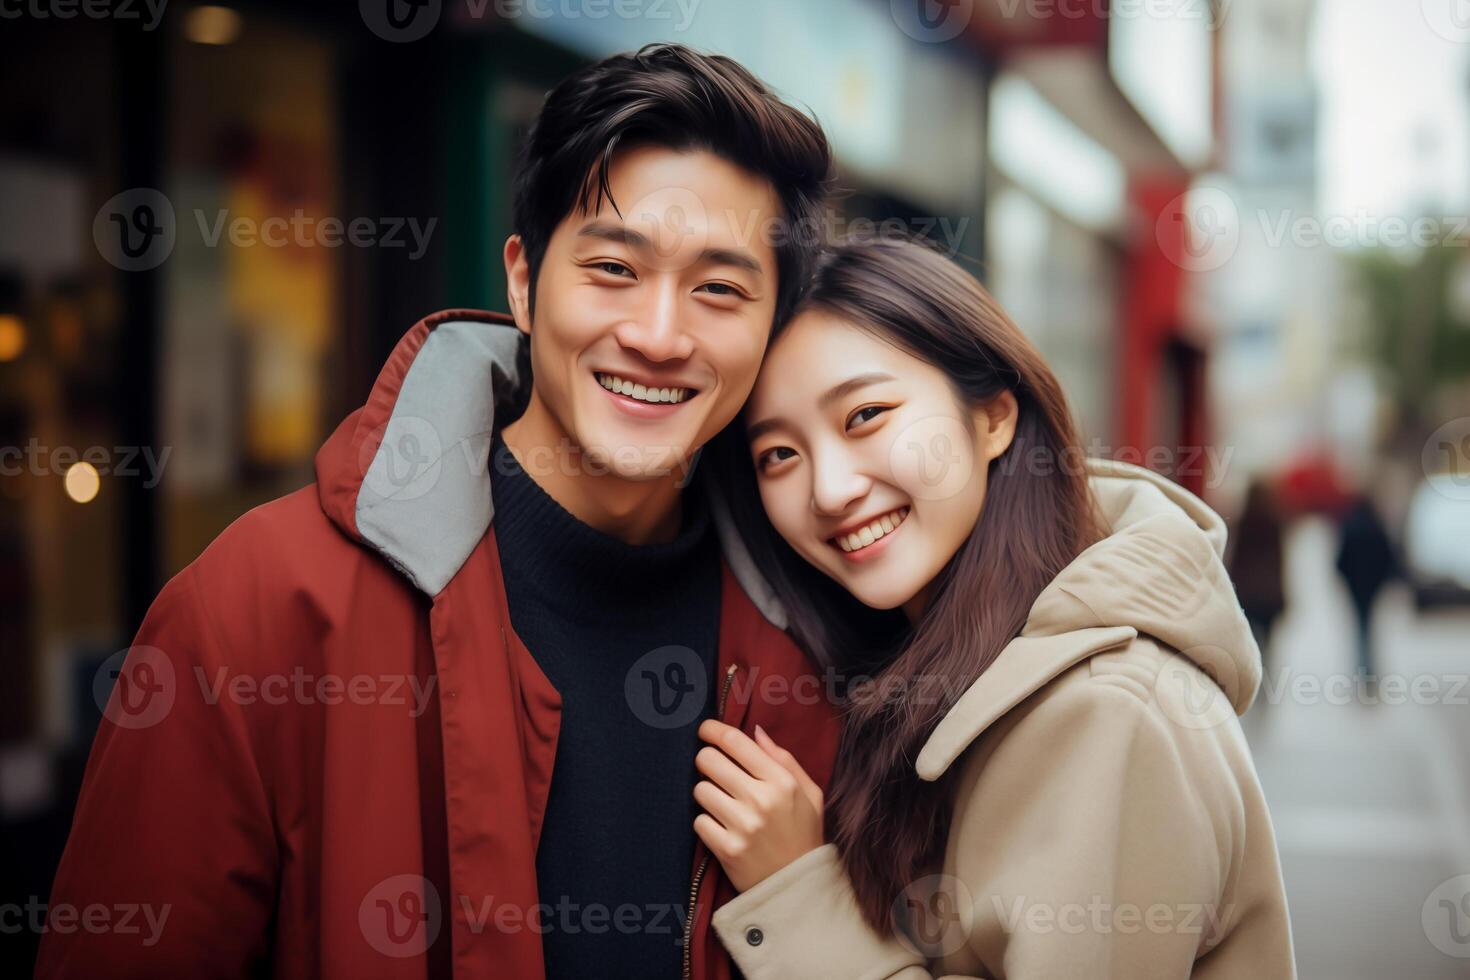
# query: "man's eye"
{"type": "Point", "coordinates": [720, 289]}
{"type": "Point", "coordinates": [613, 268]}
{"type": "Point", "coordinates": [865, 414]}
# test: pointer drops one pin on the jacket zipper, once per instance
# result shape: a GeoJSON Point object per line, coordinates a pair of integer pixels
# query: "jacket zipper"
{"type": "Point", "coordinates": [704, 861]}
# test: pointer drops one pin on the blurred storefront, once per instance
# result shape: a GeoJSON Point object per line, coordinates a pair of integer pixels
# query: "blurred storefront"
{"type": "Point", "coordinates": [1098, 127]}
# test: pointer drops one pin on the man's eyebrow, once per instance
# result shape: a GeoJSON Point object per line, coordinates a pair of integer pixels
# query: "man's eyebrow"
{"type": "Point", "coordinates": [837, 391]}
{"type": "Point", "coordinates": [607, 231]}
{"type": "Point", "coordinates": [731, 256]}
{"type": "Point", "coordinates": [610, 232]}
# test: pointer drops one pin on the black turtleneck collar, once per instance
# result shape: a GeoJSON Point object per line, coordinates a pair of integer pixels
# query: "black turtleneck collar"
{"type": "Point", "coordinates": [574, 565]}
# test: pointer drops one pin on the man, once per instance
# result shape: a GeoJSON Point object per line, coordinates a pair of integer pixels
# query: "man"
{"type": "Point", "coordinates": [436, 714]}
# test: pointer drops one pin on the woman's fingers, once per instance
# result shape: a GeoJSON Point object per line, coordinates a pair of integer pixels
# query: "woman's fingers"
{"type": "Point", "coordinates": [787, 761]}
{"type": "Point", "coordinates": [740, 747]}
{"type": "Point", "coordinates": [728, 811]}
{"type": "Point", "coordinates": [726, 774]}
{"type": "Point", "coordinates": [719, 840]}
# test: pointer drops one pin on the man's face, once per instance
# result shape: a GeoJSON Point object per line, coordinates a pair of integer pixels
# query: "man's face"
{"type": "Point", "coordinates": [650, 324]}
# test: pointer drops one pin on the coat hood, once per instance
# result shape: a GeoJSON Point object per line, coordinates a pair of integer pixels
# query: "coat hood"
{"type": "Point", "coordinates": [408, 473]}
{"type": "Point", "coordinates": [1159, 573]}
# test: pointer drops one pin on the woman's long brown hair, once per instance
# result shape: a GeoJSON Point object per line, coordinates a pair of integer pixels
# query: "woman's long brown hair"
{"type": "Point", "coordinates": [891, 827]}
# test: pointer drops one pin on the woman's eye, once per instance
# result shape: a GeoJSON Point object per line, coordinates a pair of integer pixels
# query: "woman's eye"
{"type": "Point", "coordinates": [865, 414]}
{"type": "Point", "coordinates": [775, 455]}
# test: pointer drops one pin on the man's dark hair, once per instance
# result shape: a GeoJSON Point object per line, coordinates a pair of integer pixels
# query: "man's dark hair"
{"type": "Point", "coordinates": [671, 96]}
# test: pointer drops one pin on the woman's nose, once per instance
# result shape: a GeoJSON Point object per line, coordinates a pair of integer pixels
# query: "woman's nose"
{"type": "Point", "coordinates": [838, 484]}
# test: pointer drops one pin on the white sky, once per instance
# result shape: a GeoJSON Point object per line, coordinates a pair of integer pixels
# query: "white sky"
{"type": "Point", "coordinates": [1387, 72]}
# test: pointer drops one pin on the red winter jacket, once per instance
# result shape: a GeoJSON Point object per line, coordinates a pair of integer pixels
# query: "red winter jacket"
{"type": "Point", "coordinates": [327, 745]}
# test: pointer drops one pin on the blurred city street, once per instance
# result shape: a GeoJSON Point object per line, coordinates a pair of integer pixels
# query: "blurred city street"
{"type": "Point", "coordinates": [1371, 801]}
{"type": "Point", "coordinates": [1237, 231]}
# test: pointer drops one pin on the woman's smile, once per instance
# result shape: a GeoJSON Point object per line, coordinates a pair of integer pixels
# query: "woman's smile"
{"type": "Point", "coordinates": [867, 539]}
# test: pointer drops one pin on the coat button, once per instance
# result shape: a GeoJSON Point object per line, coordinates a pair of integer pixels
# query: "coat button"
{"type": "Point", "coordinates": [754, 936]}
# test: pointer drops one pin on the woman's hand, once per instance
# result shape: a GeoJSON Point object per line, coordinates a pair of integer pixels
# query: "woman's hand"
{"type": "Point", "coordinates": [762, 811]}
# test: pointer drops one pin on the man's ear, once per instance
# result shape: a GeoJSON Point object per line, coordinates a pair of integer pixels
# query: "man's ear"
{"type": "Point", "coordinates": [995, 425]}
{"type": "Point", "coordinates": [518, 282]}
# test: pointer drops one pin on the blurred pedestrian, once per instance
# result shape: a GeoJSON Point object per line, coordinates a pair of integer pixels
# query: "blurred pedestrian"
{"type": "Point", "coordinates": [1256, 560]}
{"type": "Point", "coordinates": [1367, 562]}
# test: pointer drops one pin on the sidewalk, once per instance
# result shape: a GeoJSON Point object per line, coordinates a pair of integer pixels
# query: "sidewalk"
{"type": "Point", "coordinates": [1370, 800]}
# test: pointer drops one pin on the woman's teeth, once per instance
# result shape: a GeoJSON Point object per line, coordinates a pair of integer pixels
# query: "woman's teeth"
{"type": "Point", "coordinates": [643, 393]}
{"type": "Point", "coordinates": [865, 536]}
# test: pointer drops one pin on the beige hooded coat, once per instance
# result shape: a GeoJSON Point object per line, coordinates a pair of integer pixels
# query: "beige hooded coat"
{"type": "Point", "coordinates": [1108, 823]}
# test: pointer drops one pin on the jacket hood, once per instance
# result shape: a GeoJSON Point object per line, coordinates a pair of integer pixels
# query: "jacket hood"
{"type": "Point", "coordinates": [408, 473]}
{"type": "Point", "coordinates": [1159, 573]}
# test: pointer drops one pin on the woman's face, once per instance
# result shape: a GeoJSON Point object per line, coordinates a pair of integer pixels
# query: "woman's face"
{"type": "Point", "coordinates": [869, 465]}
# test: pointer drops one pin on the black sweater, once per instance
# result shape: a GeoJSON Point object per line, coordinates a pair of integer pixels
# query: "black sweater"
{"type": "Point", "coordinates": [628, 635]}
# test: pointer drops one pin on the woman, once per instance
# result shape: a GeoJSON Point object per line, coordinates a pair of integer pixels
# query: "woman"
{"type": "Point", "coordinates": [1044, 775]}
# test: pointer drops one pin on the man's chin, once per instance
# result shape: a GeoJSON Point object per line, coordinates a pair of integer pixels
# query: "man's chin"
{"type": "Point", "coordinates": [637, 462]}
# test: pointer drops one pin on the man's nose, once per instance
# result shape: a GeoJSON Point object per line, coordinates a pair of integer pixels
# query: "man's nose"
{"type": "Point", "coordinates": [656, 330]}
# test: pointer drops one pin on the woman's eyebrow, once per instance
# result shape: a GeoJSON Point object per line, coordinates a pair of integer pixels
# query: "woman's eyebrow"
{"type": "Point", "coordinates": [839, 390]}
{"type": "Point", "coordinates": [852, 384]}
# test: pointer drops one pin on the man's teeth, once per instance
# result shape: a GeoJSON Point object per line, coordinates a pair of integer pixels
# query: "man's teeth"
{"type": "Point", "coordinates": [865, 536]}
{"type": "Point", "coordinates": [643, 393]}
